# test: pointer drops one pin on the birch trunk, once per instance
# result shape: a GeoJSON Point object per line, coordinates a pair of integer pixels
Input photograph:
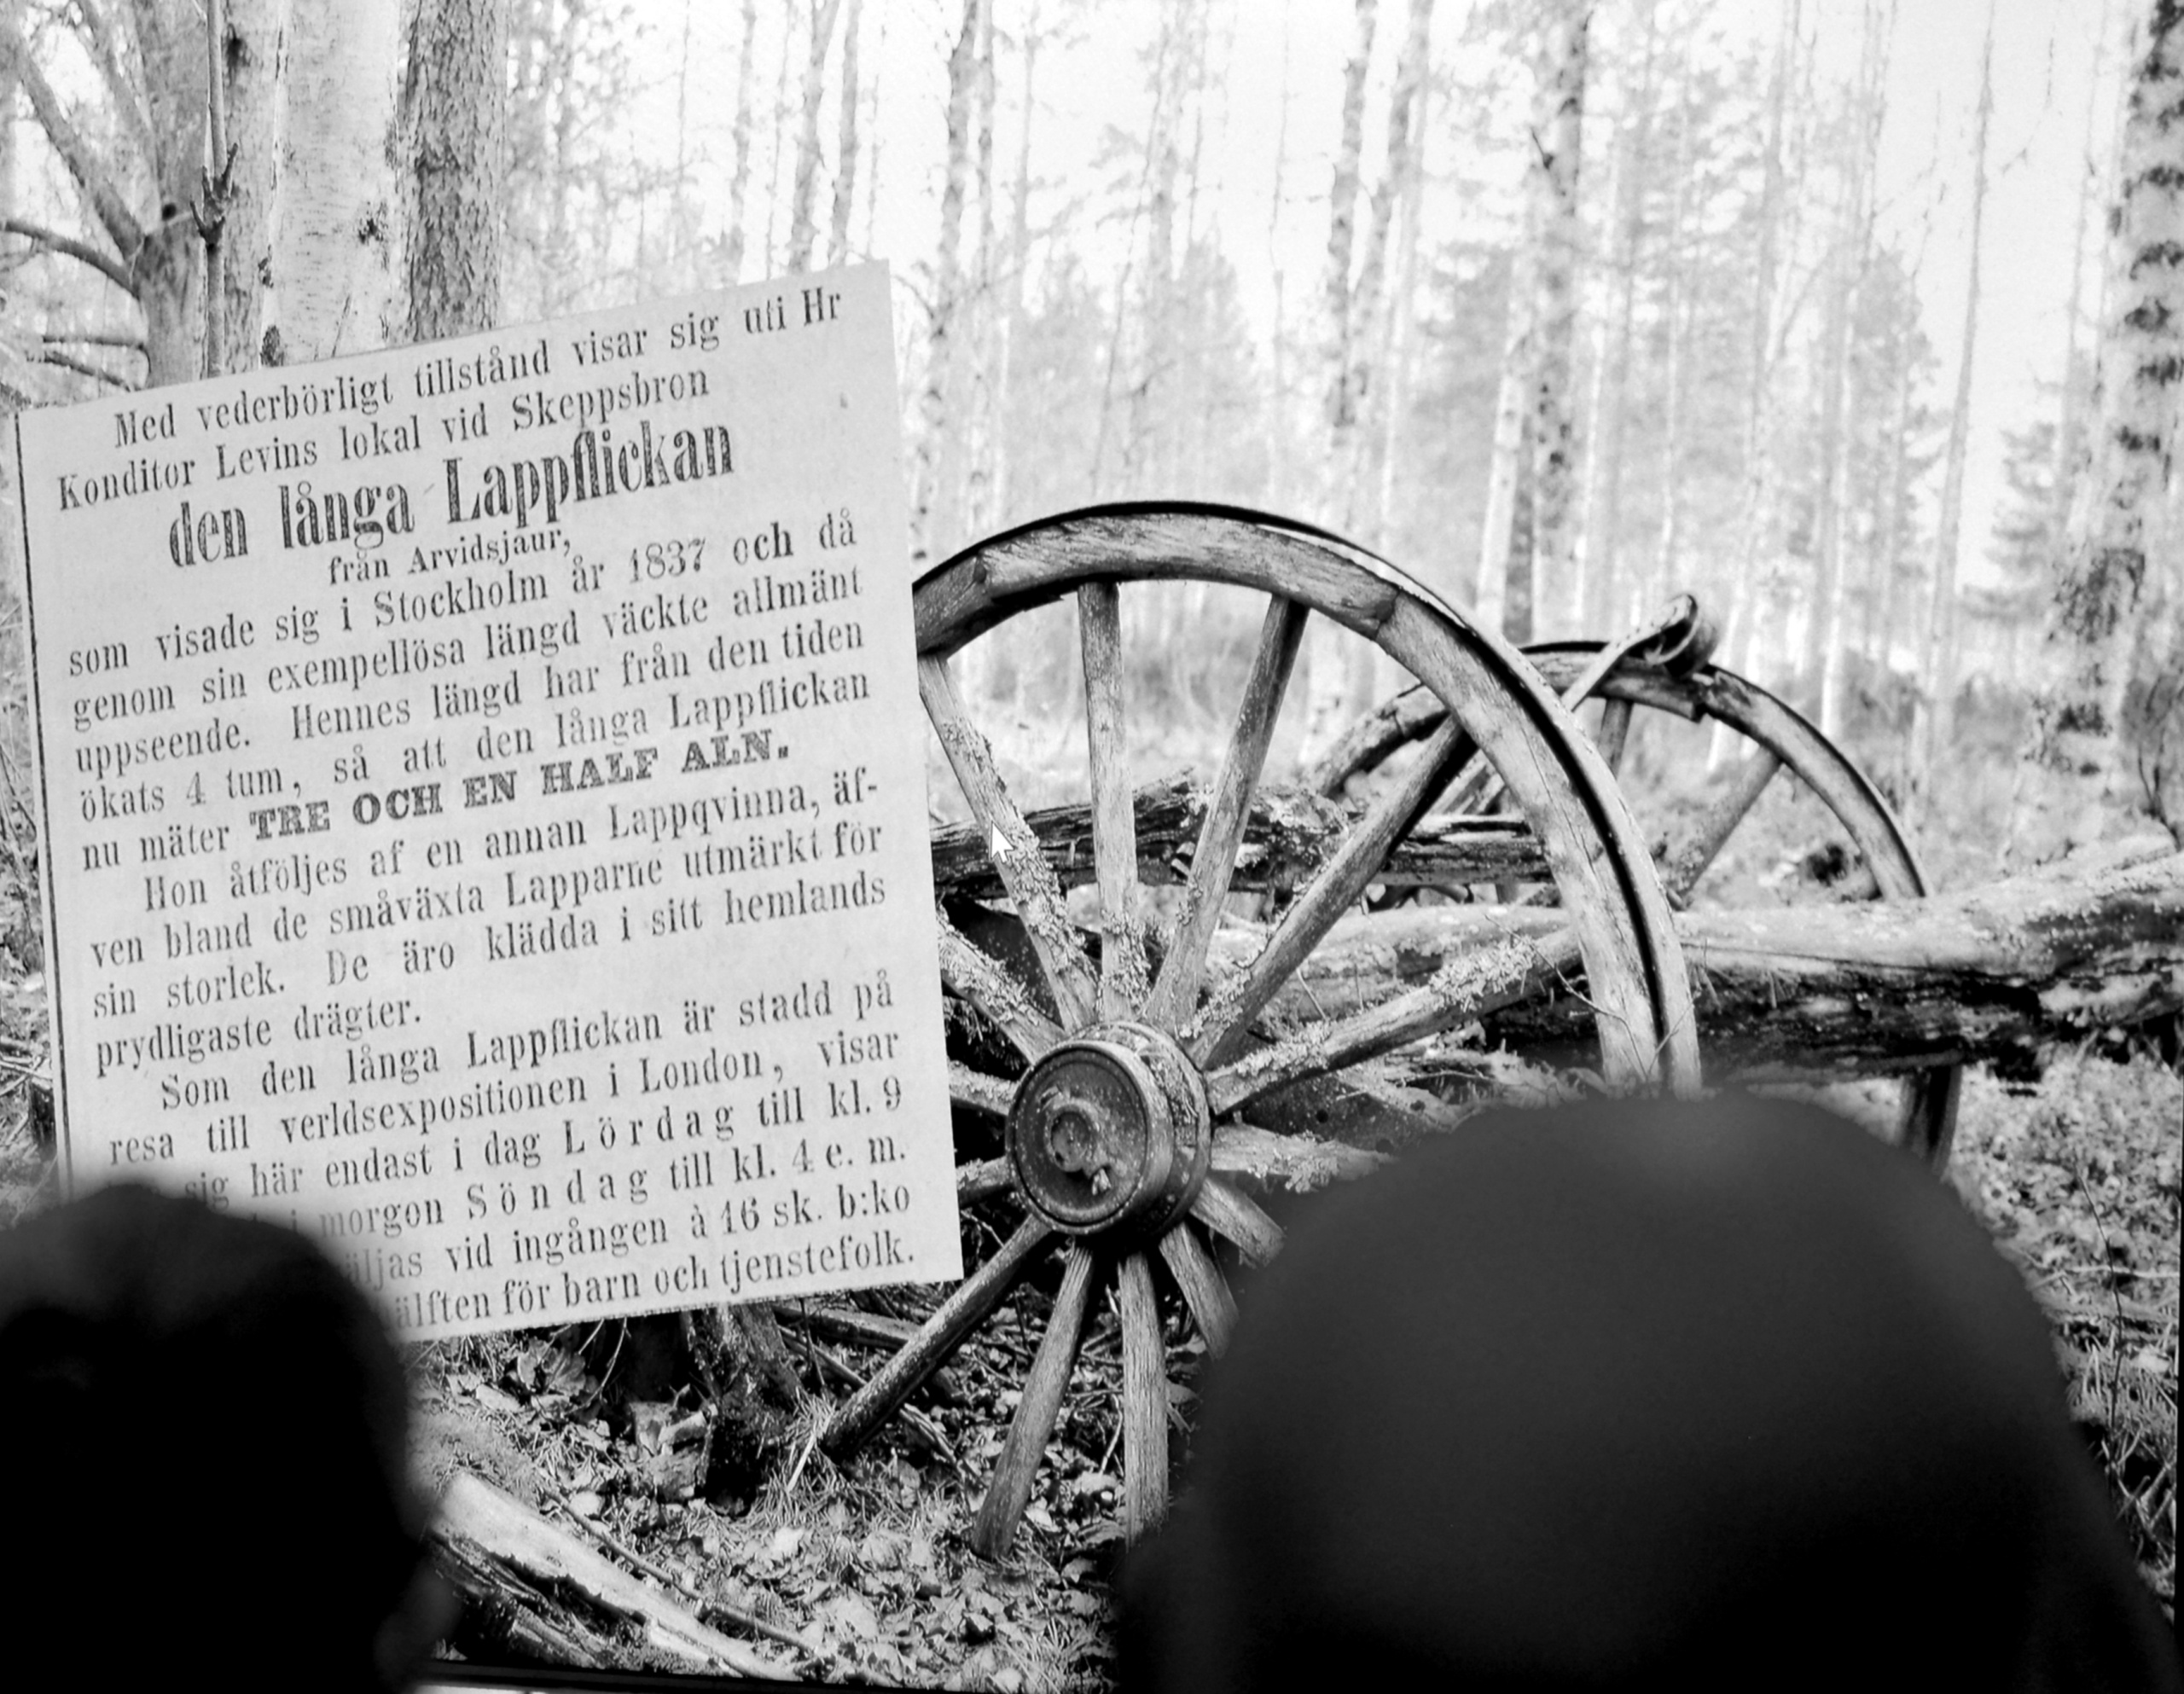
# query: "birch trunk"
{"type": "Point", "coordinates": [838, 248]}
{"type": "Point", "coordinates": [2110, 595]}
{"type": "Point", "coordinates": [803, 231]}
{"type": "Point", "coordinates": [1342, 225]}
{"type": "Point", "coordinates": [250, 57]}
{"type": "Point", "coordinates": [977, 340]}
{"type": "Point", "coordinates": [1824, 645]}
{"type": "Point", "coordinates": [935, 394]}
{"type": "Point", "coordinates": [1361, 402]}
{"type": "Point", "coordinates": [1529, 482]}
{"type": "Point", "coordinates": [1597, 601]}
{"type": "Point", "coordinates": [1551, 422]}
{"type": "Point", "coordinates": [1012, 299]}
{"type": "Point", "coordinates": [337, 284]}
{"type": "Point", "coordinates": [1325, 659]}
{"type": "Point", "coordinates": [1669, 540]}
{"type": "Point", "coordinates": [738, 185]}
{"type": "Point", "coordinates": [1754, 524]}
{"type": "Point", "coordinates": [457, 97]}
{"type": "Point", "coordinates": [1938, 670]}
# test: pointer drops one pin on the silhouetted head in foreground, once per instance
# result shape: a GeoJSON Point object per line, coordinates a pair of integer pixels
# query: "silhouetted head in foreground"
{"type": "Point", "coordinates": [204, 1429]}
{"type": "Point", "coordinates": [1642, 1395]}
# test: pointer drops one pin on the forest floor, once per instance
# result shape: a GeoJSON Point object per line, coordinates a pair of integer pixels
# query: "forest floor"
{"type": "Point", "coordinates": [2075, 1175]}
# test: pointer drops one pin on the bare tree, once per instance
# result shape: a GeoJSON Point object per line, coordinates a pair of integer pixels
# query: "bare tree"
{"type": "Point", "coordinates": [249, 57]}
{"type": "Point", "coordinates": [1530, 502]}
{"type": "Point", "coordinates": [456, 106]}
{"type": "Point", "coordinates": [338, 281]}
{"type": "Point", "coordinates": [740, 184]}
{"type": "Point", "coordinates": [1366, 339]}
{"type": "Point", "coordinates": [1940, 664]}
{"type": "Point", "coordinates": [1850, 252]}
{"type": "Point", "coordinates": [1597, 576]}
{"type": "Point", "coordinates": [838, 246]}
{"type": "Point", "coordinates": [2109, 614]}
{"type": "Point", "coordinates": [803, 230]}
{"type": "Point", "coordinates": [151, 63]}
{"type": "Point", "coordinates": [1755, 518]}
{"type": "Point", "coordinates": [935, 393]}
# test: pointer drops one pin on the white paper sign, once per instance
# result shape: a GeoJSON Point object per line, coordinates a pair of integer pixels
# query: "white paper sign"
{"type": "Point", "coordinates": [484, 808]}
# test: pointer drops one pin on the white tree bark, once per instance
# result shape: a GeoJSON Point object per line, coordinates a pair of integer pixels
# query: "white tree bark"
{"type": "Point", "coordinates": [803, 227]}
{"type": "Point", "coordinates": [1938, 670]}
{"type": "Point", "coordinates": [2113, 604]}
{"type": "Point", "coordinates": [337, 278]}
{"type": "Point", "coordinates": [251, 56]}
{"type": "Point", "coordinates": [837, 246]}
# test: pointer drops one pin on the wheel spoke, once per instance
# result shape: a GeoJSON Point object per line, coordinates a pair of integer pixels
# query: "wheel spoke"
{"type": "Point", "coordinates": [1175, 993]}
{"type": "Point", "coordinates": [988, 984]}
{"type": "Point", "coordinates": [1010, 1491]}
{"type": "Point", "coordinates": [1689, 855]}
{"type": "Point", "coordinates": [1029, 878]}
{"type": "Point", "coordinates": [974, 1091]}
{"type": "Point", "coordinates": [1214, 1034]}
{"type": "Point", "coordinates": [1513, 969]}
{"type": "Point", "coordinates": [1212, 1307]}
{"type": "Point", "coordinates": [1233, 1215]}
{"type": "Point", "coordinates": [1615, 732]}
{"type": "Point", "coordinates": [937, 1337]}
{"type": "Point", "coordinates": [1123, 983]}
{"type": "Point", "coordinates": [981, 1180]}
{"type": "Point", "coordinates": [1144, 1403]}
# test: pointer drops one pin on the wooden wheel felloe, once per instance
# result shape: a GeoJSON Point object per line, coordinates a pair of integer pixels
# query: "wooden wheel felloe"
{"type": "Point", "coordinates": [1782, 739]}
{"type": "Point", "coordinates": [1112, 1143]}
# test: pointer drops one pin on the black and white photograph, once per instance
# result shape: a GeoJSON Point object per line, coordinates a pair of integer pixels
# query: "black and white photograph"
{"type": "Point", "coordinates": [1082, 846]}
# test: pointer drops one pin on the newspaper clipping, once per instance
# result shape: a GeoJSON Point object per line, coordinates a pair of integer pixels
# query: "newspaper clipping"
{"type": "Point", "coordinates": [484, 784]}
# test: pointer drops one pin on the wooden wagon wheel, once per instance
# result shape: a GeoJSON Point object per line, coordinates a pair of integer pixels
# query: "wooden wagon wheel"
{"type": "Point", "coordinates": [1783, 739]}
{"type": "Point", "coordinates": [1109, 1130]}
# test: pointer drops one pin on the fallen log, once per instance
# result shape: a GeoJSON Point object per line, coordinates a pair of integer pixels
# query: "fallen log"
{"type": "Point", "coordinates": [485, 1528]}
{"type": "Point", "coordinates": [1288, 834]}
{"type": "Point", "coordinates": [1996, 973]}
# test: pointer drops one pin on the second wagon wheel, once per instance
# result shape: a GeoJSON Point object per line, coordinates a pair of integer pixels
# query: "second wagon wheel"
{"type": "Point", "coordinates": [1783, 739]}
{"type": "Point", "coordinates": [1128, 1062]}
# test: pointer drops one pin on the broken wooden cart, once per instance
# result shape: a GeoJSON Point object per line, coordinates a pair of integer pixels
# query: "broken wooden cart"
{"type": "Point", "coordinates": [1128, 1075]}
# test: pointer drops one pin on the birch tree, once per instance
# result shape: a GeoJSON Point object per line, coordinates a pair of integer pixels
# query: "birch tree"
{"type": "Point", "coordinates": [934, 393]}
{"type": "Point", "coordinates": [136, 189]}
{"type": "Point", "coordinates": [336, 258]}
{"type": "Point", "coordinates": [2118, 584]}
{"type": "Point", "coordinates": [740, 183]}
{"type": "Point", "coordinates": [1530, 502]}
{"type": "Point", "coordinates": [1359, 401]}
{"type": "Point", "coordinates": [837, 245]}
{"type": "Point", "coordinates": [1016, 267]}
{"type": "Point", "coordinates": [1342, 225]}
{"type": "Point", "coordinates": [1551, 433]}
{"type": "Point", "coordinates": [1852, 250]}
{"type": "Point", "coordinates": [1755, 518]}
{"type": "Point", "coordinates": [456, 99]}
{"type": "Point", "coordinates": [802, 229]}
{"type": "Point", "coordinates": [250, 54]}
{"type": "Point", "coordinates": [1939, 666]}
{"type": "Point", "coordinates": [1596, 579]}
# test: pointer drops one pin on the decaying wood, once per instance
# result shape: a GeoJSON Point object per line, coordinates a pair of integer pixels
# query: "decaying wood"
{"type": "Point", "coordinates": [1288, 835]}
{"type": "Point", "coordinates": [1870, 988]}
{"type": "Point", "coordinates": [1226, 814]}
{"type": "Point", "coordinates": [475, 1519]}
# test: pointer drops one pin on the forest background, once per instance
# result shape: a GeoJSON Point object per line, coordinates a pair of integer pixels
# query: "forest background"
{"type": "Point", "coordinates": [1862, 321]}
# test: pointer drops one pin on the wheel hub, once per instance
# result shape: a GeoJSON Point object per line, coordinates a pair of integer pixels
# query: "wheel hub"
{"type": "Point", "coordinates": [1110, 1132]}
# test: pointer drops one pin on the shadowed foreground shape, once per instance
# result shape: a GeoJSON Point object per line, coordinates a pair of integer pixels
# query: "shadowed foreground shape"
{"type": "Point", "coordinates": [1642, 1395]}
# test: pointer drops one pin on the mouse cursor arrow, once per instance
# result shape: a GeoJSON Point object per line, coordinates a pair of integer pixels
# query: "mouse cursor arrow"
{"type": "Point", "coordinates": [1001, 847]}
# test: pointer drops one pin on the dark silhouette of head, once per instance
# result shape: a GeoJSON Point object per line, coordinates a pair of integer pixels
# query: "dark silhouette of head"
{"type": "Point", "coordinates": [205, 1426]}
{"type": "Point", "coordinates": [1641, 1394]}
